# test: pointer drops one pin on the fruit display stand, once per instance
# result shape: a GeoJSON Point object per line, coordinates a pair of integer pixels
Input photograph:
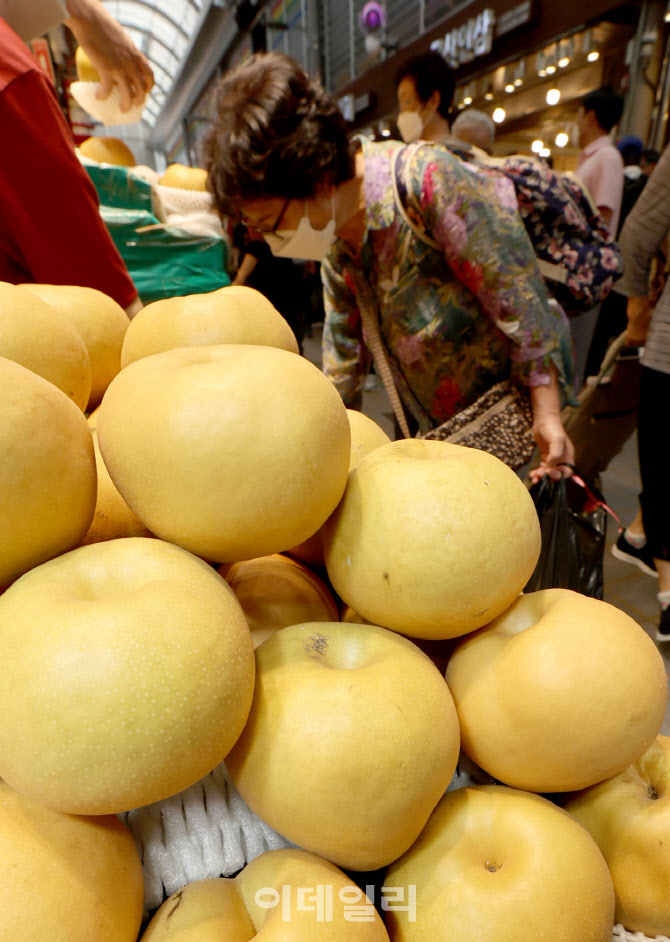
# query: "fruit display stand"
{"type": "Point", "coordinates": [130, 674]}
{"type": "Point", "coordinates": [164, 260]}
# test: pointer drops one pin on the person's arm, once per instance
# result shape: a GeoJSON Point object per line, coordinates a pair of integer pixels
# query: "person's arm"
{"type": "Point", "coordinates": [643, 234]}
{"type": "Point", "coordinates": [554, 445]}
{"type": "Point", "coordinates": [346, 360]}
{"type": "Point", "coordinates": [111, 50]}
{"type": "Point", "coordinates": [245, 270]}
{"type": "Point", "coordinates": [475, 219]}
{"type": "Point", "coordinates": [606, 214]}
{"type": "Point", "coordinates": [134, 308]}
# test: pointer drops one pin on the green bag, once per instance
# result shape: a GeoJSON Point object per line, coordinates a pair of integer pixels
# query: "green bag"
{"type": "Point", "coordinates": [163, 261]}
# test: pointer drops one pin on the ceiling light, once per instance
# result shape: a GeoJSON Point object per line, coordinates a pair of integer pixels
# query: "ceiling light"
{"type": "Point", "coordinates": [551, 69]}
{"type": "Point", "coordinates": [667, 14]}
{"type": "Point", "coordinates": [537, 146]}
{"type": "Point", "coordinates": [562, 139]}
{"type": "Point", "coordinates": [498, 115]}
{"type": "Point", "coordinates": [467, 100]}
{"type": "Point", "coordinates": [518, 81]}
{"type": "Point", "coordinates": [545, 152]}
{"type": "Point", "coordinates": [565, 52]}
{"type": "Point", "coordinates": [553, 96]}
{"type": "Point", "coordinates": [509, 87]}
{"type": "Point", "coordinates": [488, 96]}
{"type": "Point", "coordinates": [542, 73]}
{"type": "Point", "coordinates": [593, 56]}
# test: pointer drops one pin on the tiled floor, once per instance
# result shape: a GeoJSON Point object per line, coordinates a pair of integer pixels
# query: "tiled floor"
{"type": "Point", "coordinates": [625, 586]}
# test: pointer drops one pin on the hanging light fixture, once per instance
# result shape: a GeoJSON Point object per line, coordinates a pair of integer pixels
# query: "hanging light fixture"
{"type": "Point", "coordinates": [667, 14]}
{"type": "Point", "coordinates": [537, 146]}
{"type": "Point", "coordinates": [588, 46]}
{"type": "Point", "coordinates": [498, 115]}
{"type": "Point", "coordinates": [519, 73]}
{"type": "Point", "coordinates": [565, 53]}
{"type": "Point", "coordinates": [553, 96]}
{"type": "Point", "coordinates": [562, 139]}
{"type": "Point", "coordinates": [550, 60]}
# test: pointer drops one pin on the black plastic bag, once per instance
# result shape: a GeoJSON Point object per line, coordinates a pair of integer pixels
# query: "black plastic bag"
{"type": "Point", "coordinates": [573, 523]}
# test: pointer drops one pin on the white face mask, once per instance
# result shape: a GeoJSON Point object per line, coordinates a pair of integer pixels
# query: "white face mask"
{"type": "Point", "coordinates": [410, 126]}
{"type": "Point", "coordinates": [305, 242]}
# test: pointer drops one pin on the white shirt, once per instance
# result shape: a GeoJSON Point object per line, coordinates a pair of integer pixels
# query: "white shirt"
{"type": "Point", "coordinates": [600, 168]}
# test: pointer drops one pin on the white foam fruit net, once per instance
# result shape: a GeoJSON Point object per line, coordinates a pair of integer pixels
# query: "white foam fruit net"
{"type": "Point", "coordinates": [622, 935]}
{"type": "Point", "coordinates": [207, 830]}
{"type": "Point", "coordinates": [107, 110]}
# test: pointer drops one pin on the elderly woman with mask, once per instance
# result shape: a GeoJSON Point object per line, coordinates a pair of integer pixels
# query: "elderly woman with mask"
{"type": "Point", "coordinates": [457, 313]}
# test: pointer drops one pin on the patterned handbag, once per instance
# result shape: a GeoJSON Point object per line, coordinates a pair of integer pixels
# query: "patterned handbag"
{"type": "Point", "coordinates": [499, 422]}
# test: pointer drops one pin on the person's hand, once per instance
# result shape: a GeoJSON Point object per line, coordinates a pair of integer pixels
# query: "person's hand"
{"type": "Point", "coordinates": [638, 311]}
{"type": "Point", "coordinates": [112, 52]}
{"type": "Point", "coordinates": [556, 449]}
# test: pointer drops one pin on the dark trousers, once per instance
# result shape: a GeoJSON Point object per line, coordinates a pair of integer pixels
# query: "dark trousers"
{"type": "Point", "coordinates": [653, 432]}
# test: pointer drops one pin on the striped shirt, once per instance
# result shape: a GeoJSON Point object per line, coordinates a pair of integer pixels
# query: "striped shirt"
{"type": "Point", "coordinates": [642, 235]}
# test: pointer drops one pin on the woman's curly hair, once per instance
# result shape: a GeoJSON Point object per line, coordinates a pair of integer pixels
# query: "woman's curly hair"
{"type": "Point", "coordinates": [275, 133]}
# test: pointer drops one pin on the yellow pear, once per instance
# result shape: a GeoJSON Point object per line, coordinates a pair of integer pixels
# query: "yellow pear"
{"type": "Point", "coordinates": [430, 539]}
{"type": "Point", "coordinates": [280, 895]}
{"type": "Point", "coordinates": [234, 314]}
{"type": "Point", "coordinates": [628, 816]}
{"type": "Point", "coordinates": [351, 740]}
{"type": "Point", "coordinates": [231, 451]}
{"type": "Point", "coordinates": [275, 592]}
{"type": "Point", "coordinates": [66, 878]}
{"type": "Point", "coordinates": [33, 334]}
{"type": "Point", "coordinates": [559, 692]}
{"type": "Point", "coordinates": [107, 150]}
{"type": "Point", "coordinates": [185, 178]}
{"type": "Point", "coordinates": [86, 71]}
{"type": "Point", "coordinates": [47, 477]}
{"type": "Point", "coordinates": [113, 518]}
{"type": "Point", "coordinates": [128, 672]}
{"type": "Point", "coordinates": [101, 324]}
{"type": "Point", "coordinates": [498, 864]}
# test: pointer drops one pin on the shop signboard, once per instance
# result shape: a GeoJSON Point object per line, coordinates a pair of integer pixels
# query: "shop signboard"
{"type": "Point", "coordinates": [468, 41]}
{"type": "Point", "coordinates": [474, 37]}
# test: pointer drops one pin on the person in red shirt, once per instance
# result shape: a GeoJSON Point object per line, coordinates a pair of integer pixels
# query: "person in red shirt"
{"type": "Point", "coordinates": [50, 227]}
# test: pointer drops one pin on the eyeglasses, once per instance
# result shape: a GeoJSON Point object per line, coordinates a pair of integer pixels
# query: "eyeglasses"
{"type": "Point", "coordinates": [252, 225]}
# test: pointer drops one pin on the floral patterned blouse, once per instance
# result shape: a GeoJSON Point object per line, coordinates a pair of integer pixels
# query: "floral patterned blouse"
{"type": "Point", "coordinates": [453, 321]}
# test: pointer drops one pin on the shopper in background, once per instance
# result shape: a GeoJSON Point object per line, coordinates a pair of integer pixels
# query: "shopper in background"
{"type": "Point", "coordinates": [600, 168]}
{"type": "Point", "coordinates": [600, 165]}
{"type": "Point", "coordinates": [475, 127]}
{"type": "Point", "coordinates": [50, 227]}
{"type": "Point", "coordinates": [646, 542]}
{"type": "Point", "coordinates": [648, 160]}
{"type": "Point", "coordinates": [453, 321]}
{"type": "Point", "coordinates": [280, 280]}
{"type": "Point", "coordinates": [425, 86]}
{"type": "Point", "coordinates": [611, 320]}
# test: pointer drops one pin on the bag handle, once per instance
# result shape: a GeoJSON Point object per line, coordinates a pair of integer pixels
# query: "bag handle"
{"type": "Point", "coordinates": [595, 501]}
{"type": "Point", "coordinates": [367, 307]}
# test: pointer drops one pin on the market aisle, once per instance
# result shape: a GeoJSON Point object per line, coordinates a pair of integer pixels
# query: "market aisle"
{"type": "Point", "coordinates": [625, 586]}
